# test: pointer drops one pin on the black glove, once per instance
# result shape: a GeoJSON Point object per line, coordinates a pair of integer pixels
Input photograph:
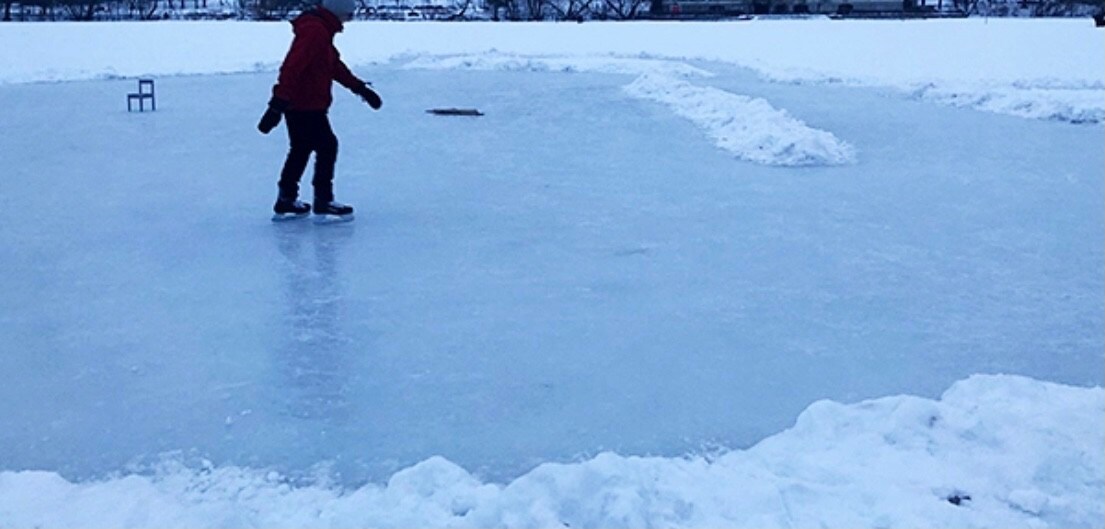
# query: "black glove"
{"type": "Point", "coordinates": [369, 95]}
{"type": "Point", "coordinates": [272, 115]}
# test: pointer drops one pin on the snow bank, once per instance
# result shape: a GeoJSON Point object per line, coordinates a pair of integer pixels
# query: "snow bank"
{"type": "Point", "coordinates": [975, 59]}
{"type": "Point", "coordinates": [1074, 101]}
{"type": "Point", "coordinates": [1042, 100]}
{"type": "Point", "coordinates": [994, 451]}
{"type": "Point", "coordinates": [493, 61]}
{"type": "Point", "coordinates": [748, 127]}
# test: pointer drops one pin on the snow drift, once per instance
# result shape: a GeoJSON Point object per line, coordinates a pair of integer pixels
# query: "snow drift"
{"type": "Point", "coordinates": [997, 450]}
{"type": "Point", "coordinates": [748, 127]}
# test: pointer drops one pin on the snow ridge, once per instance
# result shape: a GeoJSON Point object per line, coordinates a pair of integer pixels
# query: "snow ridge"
{"type": "Point", "coordinates": [1072, 101]}
{"type": "Point", "coordinates": [495, 61]}
{"type": "Point", "coordinates": [748, 127]}
{"type": "Point", "coordinates": [993, 451]}
{"type": "Point", "coordinates": [1070, 104]}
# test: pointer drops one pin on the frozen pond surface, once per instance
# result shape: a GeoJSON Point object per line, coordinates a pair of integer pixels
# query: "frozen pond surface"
{"type": "Point", "coordinates": [576, 271]}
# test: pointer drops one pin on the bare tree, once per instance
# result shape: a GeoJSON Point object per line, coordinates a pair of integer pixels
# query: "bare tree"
{"type": "Point", "coordinates": [46, 8]}
{"type": "Point", "coordinates": [624, 9]}
{"type": "Point", "coordinates": [460, 8]}
{"type": "Point", "coordinates": [272, 9]}
{"type": "Point", "coordinates": [534, 9]}
{"type": "Point", "coordinates": [572, 9]}
{"type": "Point", "coordinates": [969, 7]}
{"type": "Point", "coordinates": [80, 9]}
{"type": "Point", "coordinates": [144, 9]}
{"type": "Point", "coordinates": [510, 9]}
{"type": "Point", "coordinates": [1067, 8]}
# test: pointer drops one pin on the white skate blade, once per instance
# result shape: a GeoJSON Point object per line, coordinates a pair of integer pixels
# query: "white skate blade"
{"type": "Point", "coordinates": [284, 217]}
{"type": "Point", "coordinates": [333, 219]}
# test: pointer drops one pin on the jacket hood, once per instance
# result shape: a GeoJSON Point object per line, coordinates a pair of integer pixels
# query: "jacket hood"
{"type": "Point", "coordinates": [318, 15]}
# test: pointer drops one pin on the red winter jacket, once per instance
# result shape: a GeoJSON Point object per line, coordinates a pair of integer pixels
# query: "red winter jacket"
{"type": "Point", "coordinates": [312, 63]}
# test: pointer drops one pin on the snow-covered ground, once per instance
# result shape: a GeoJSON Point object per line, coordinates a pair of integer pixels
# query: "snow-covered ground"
{"type": "Point", "coordinates": [1048, 68]}
{"type": "Point", "coordinates": [604, 303]}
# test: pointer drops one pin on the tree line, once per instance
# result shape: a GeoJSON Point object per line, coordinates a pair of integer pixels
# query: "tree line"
{"type": "Point", "coordinates": [519, 10]}
{"type": "Point", "coordinates": [79, 10]}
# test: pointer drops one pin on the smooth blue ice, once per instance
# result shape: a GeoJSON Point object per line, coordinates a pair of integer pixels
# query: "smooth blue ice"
{"type": "Point", "coordinates": [576, 271]}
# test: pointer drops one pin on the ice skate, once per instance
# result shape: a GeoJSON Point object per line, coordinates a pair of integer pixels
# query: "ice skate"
{"type": "Point", "coordinates": [331, 211]}
{"type": "Point", "coordinates": [289, 209]}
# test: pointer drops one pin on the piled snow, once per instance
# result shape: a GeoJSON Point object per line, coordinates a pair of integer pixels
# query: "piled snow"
{"type": "Point", "coordinates": [1041, 100]}
{"type": "Point", "coordinates": [975, 59]}
{"type": "Point", "coordinates": [1072, 100]}
{"type": "Point", "coordinates": [1002, 451]}
{"type": "Point", "coordinates": [494, 61]}
{"type": "Point", "coordinates": [748, 127]}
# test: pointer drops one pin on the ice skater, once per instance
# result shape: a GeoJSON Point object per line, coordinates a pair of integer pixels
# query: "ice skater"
{"type": "Point", "coordinates": [302, 96]}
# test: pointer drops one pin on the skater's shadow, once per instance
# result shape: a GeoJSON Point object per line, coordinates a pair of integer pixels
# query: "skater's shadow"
{"type": "Point", "coordinates": [314, 356]}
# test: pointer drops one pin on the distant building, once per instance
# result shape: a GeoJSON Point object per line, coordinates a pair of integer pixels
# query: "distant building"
{"type": "Point", "coordinates": [707, 8]}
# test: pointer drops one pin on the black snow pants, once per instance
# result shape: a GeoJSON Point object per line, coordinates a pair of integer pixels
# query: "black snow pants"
{"type": "Point", "coordinates": [309, 131]}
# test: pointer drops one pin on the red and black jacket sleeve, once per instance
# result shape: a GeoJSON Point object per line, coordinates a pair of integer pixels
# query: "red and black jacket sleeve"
{"type": "Point", "coordinates": [345, 77]}
{"type": "Point", "coordinates": [309, 48]}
